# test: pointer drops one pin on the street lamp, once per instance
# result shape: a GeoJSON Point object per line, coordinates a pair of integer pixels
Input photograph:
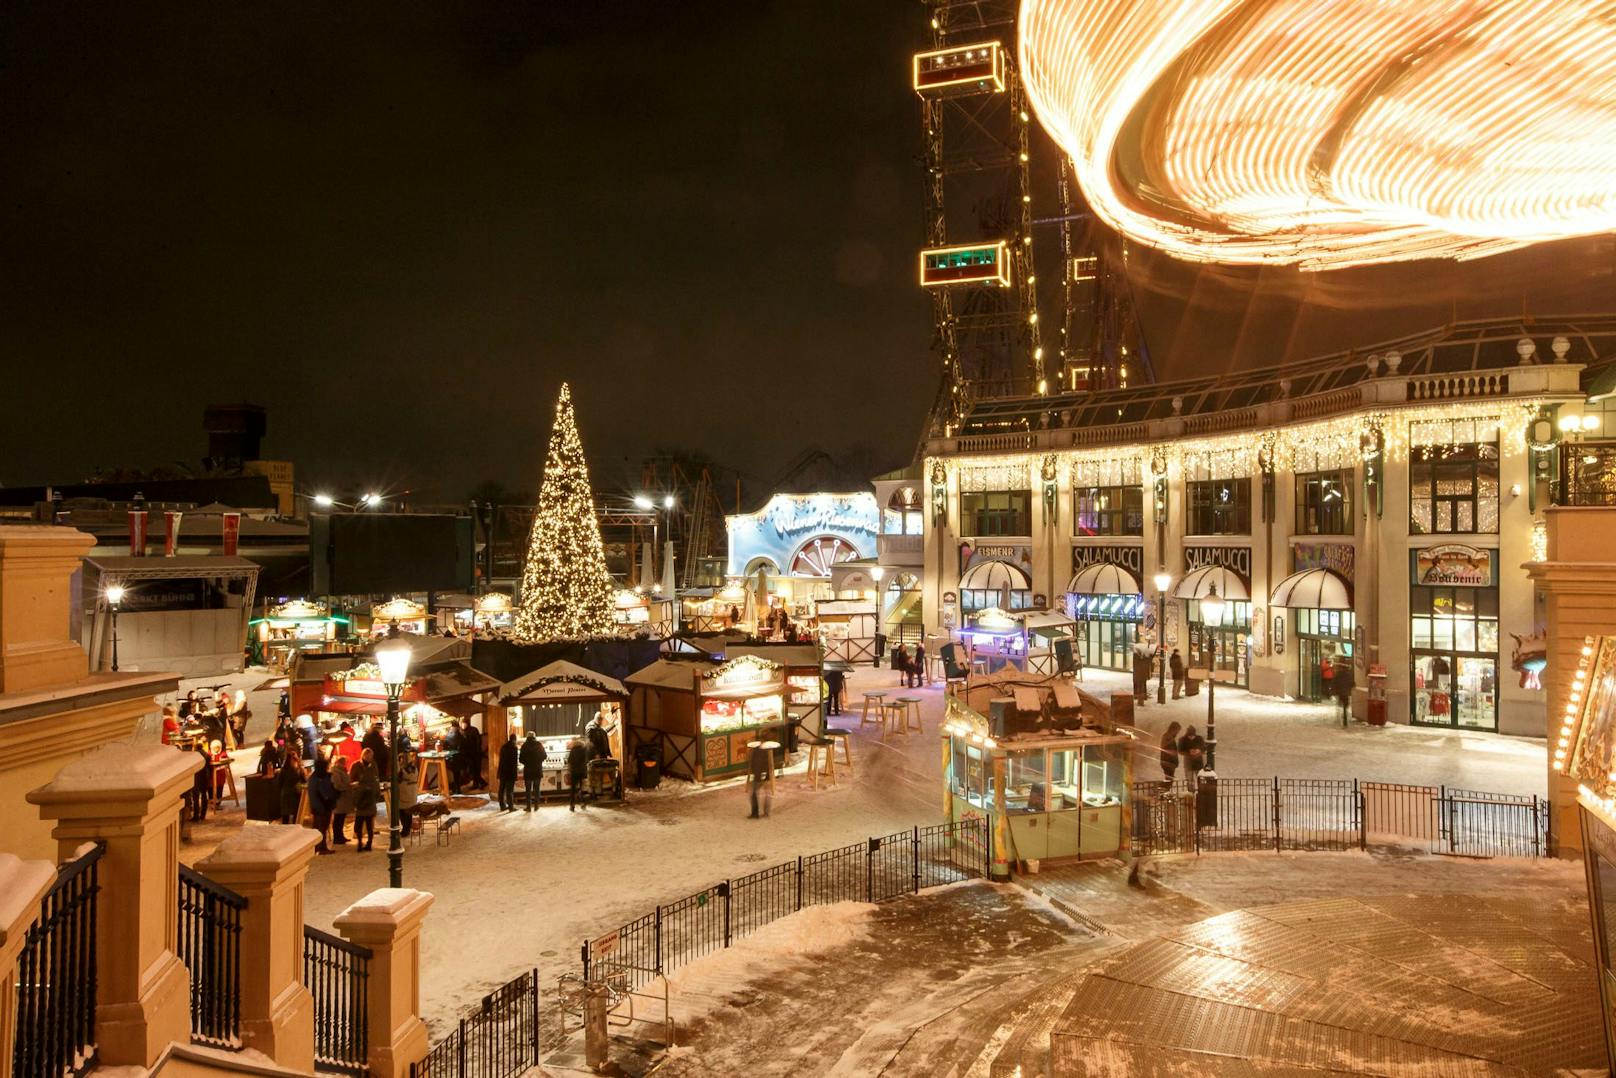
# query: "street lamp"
{"type": "Point", "coordinates": [324, 501]}
{"type": "Point", "coordinates": [1212, 608]}
{"type": "Point", "coordinates": [1163, 580]}
{"type": "Point", "coordinates": [371, 501]}
{"type": "Point", "coordinates": [114, 598]}
{"type": "Point", "coordinates": [393, 657]}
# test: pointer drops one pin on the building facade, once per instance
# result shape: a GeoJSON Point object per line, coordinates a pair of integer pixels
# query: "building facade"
{"type": "Point", "coordinates": [1373, 511]}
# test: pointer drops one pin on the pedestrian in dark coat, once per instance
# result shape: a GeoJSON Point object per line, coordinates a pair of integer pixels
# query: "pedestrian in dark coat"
{"type": "Point", "coordinates": [600, 743]}
{"type": "Point", "coordinates": [1141, 674]}
{"type": "Point", "coordinates": [202, 786]}
{"type": "Point", "coordinates": [376, 742]}
{"type": "Point", "coordinates": [367, 792]}
{"type": "Point", "coordinates": [471, 748]}
{"type": "Point", "coordinates": [759, 770]}
{"type": "Point", "coordinates": [269, 758]}
{"type": "Point", "coordinates": [342, 782]}
{"type": "Point", "coordinates": [288, 786]}
{"type": "Point", "coordinates": [835, 684]}
{"type": "Point", "coordinates": [453, 744]}
{"type": "Point", "coordinates": [532, 759]}
{"type": "Point", "coordinates": [1192, 747]}
{"type": "Point", "coordinates": [922, 675]}
{"type": "Point", "coordinates": [507, 774]}
{"type": "Point", "coordinates": [323, 800]}
{"type": "Point", "coordinates": [1175, 667]}
{"type": "Point", "coordinates": [1169, 752]}
{"type": "Point", "coordinates": [577, 768]}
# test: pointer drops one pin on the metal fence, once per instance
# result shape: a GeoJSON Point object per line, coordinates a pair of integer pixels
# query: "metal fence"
{"type": "Point", "coordinates": [876, 870]}
{"type": "Point", "coordinates": [209, 935]}
{"type": "Point", "coordinates": [1334, 814]}
{"type": "Point", "coordinates": [56, 978]}
{"type": "Point", "coordinates": [337, 975]}
{"type": "Point", "coordinates": [498, 1040]}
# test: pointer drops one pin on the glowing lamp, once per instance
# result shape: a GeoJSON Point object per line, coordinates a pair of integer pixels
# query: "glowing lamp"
{"type": "Point", "coordinates": [667, 501]}
{"type": "Point", "coordinates": [393, 659]}
{"type": "Point", "coordinates": [642, 502]}
{"type": "Point", "coordinates": [1212, 608]}
{"type": "Point", "coordinates": [1162, 580]}
{"type": "Point", "coordinates": [1590, 422]}
{"type": "Point", "coordinates": [1570, 423]}
{"type": "Point", "coordinates": [324, 501]}
{"type": "Point", "coordinates": [115, 594]}
{"type": "Point", "coordinates": [877, 572]}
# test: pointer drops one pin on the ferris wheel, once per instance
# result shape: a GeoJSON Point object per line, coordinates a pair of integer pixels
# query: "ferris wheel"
{"type": "Point", "coordinates": [816, 556]}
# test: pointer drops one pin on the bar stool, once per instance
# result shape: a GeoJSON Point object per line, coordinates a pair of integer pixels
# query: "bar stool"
{"type": "Point", "coordinates": [878, 698]}
{"type": "Point", "coordinates": [837, 736]}
{"type": "Point", "coordinates": [892, 720]}
{"type": "Point", "coordinates": [911, 711]}
{"type": "Point", "coordinates": [821, 761]}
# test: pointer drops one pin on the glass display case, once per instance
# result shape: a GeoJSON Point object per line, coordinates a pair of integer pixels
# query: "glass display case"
{"type": "Point", "coordinates": [723, 715]}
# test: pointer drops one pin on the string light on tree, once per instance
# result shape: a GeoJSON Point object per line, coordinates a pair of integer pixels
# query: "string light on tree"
{"type": "Point", "coordinates": [566, 589]}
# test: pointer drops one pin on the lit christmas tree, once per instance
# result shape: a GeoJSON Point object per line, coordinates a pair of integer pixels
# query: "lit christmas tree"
{"type": "Point", "coordinates": [566, 590]}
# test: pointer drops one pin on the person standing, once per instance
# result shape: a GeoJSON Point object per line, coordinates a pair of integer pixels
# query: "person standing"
{"type": "Point", "coordinates": [408, 784]}
{"type": "Point", "coordinates": [835, 683]}
{"type": "Point", "coordinates": [288, 786]}
{"type": "Point", "coordinates": [376, 744]}
{"type": "Point", "coordinates": [342, 781]}
{"type": "Point", "coordinates": [1175, 667]}
{"type": "Point", "coordinates": [1141, 674]}
{"type": "Point", "coordinates": [202, 785]}
{"type": "Point", "coordinates": [367, 791]}
{"type": "Point", "coordinates": [507, 774]}
{"type": "Point", "coordinates": [1326, 679]}
{"type": "Point", "coordinates": [1192, 747]}
{"type": "Point", "coordinates": [759, 772]}
{"type": "Point", "coordinates": [577, 768]}
{"type": "Point", "coordinates": [452, 745]}
{"type": "Point", "coordinates": [322, 801]}
{"type": "Point", "coordinates": [532, 760]}
{"type": "Point", "coordinates": [922, 675]}
{"type": "Point", "coordinates": [471, 745]}
{"type": "Point", "coordinates": [1169, 753]}
{"type": "Point", "coordinates": [1343, 689]}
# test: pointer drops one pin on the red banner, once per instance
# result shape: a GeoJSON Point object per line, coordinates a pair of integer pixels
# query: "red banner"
{"type": "Point", "coordinates": [232, 533]}
{"type": "Point", "coordinates": [171, 531]}
{"type": "Point", "coordinates": [137, 533]}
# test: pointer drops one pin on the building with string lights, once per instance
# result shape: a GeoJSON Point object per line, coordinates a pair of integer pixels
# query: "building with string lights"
{"type": "Point", "coordinates": [1373, 508]}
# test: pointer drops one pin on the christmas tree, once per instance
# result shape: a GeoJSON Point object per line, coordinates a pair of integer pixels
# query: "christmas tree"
{"type": "Point", "coordinates": [566, 590]}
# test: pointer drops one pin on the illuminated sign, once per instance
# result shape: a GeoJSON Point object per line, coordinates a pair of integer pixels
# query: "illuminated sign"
{"type": "Point", "coordinates": [1453, 565]}
{"type": "Point", "coordinates": [976, 68]}
{"type": "Point", "coordinates": [977, 264]}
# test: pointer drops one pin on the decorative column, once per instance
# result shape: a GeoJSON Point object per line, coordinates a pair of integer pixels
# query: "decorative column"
{"type": "Point", "coordinates": [129, 797]}
{"type": "Point", "coordinates": [22, 885]}
{"type": "Point", "coordinates": [268, 866]}
{"type": "Point", "coordinates": [388, 921]}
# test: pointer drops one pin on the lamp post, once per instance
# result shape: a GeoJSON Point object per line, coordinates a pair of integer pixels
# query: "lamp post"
{"type": "Point", "coordinates": [393, 657]}
{"type": "Point", "coordinates": [1163, 580]}
{"type": "Point", "coordinates": [1211, 617]}
{"type": "Point", "coordinates": [114, 598]}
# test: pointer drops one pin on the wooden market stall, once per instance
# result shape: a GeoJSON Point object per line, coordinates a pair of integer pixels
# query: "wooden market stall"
{"type": "Point", "coordinates": [848, 628]}
{"type": "Point", "coordinates": [557, 702]}
{"type": "Point", "coordinates": [290, 627]}
{"type": "Point", "coordinates": [804, 669]}
{"type": "Point", "coordinates": [1044, 632]}
{"type": "Point", "coordinates": [409, 615]}
{"type": "Point", "coordinates": [703, 715]}
{"type": "Point", "coordinates": [1048, 785]}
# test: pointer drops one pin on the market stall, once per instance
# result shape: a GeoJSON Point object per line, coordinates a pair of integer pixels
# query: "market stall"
{"type": "Point", "coordinates": [557, 702]}
{"type": "Point", "coordinates": [408, 615]}
{"type": "Point", "coordinates": [490, 613]}
{"type": "Point", "coordinates": [803, 666]}
{"type": "Point", "coordinates": [848, 628]}
{"type": "Point", "coordinates": [437, 695]}
{"type": "Point", "coordinates": [995, 639]}
{"type": "Point", "coordinates": [703, 715]}
{"type": "Point", "coordinates": [290, 627]}
{"type": "Point", "coordinates": [1054, 794]}
{"type": "Point", "coordinates": [1043, 632]}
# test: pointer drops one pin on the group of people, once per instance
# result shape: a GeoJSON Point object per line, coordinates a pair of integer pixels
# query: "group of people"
{"type": "Point", "coordinates": [346, 781]}
{"type": "Point", "coordinates": [778, 624]}
{"type": "Point", "coordinates": [911, 666]}
{"type": "Point", "coordinates": [218, 717]}
{"type": "Point", "coordinates": [529, 757]}
{"type": "Point", "coordinates": [1188, 748]}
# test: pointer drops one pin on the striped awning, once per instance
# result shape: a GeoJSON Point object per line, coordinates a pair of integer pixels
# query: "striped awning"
{"type": "Point", "coordinates": [994, 576]}
{"type": "Point", "coordinates": [1200, 583]}
{"type": "Point", "coordinates": [1312, 589]}
{"type": "Point", "coordinates": [1103, 578]}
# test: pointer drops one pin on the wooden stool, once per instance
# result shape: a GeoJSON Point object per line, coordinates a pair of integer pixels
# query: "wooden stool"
{"type": "Point", "coordinates": [879, 700]}
{"type": "Point", "coordinates": [836, 735]}
{"type": "Point", "coordinates": [229, 785]}
{"type": "Point", "coordinates": [892, 720]}
{"type": "Point", "coordinates": [443, 775]}
{"type": "Point", "coordinates": [911, 711]}
{"type": "Point", "coordinates": [821, 761]}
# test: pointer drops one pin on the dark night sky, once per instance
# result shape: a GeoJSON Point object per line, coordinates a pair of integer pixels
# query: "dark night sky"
{"type": "Point", "coordinates": [400, 226]}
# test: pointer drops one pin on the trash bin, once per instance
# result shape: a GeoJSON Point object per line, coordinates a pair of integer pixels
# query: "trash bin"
{"type": "Point", "coordinates": [648, 767]}
{"type": "Point", "coordinates": [1206, 800]}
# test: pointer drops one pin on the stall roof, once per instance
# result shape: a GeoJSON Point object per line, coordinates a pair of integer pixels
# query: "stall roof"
{"type": "Point", "coordinates": [316, 667]}
{"type": "Point", "coordinates": [1046, 620]}
{"type": "Point", "coordinates": [666, 674]}
{"type": "Point", "coordinates": [183, 565]}
{"type": "Point", "coordinates": [450, 679]}
{"type": "Point", "coordinates": [784, 654]}
{"type": "Point", "coordinates": [539, 686]}
{"type": "Point", "coordinates": [843, 606]}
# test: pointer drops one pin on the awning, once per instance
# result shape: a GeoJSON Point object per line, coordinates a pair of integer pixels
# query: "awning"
{"type": "Point", "coordinates": [994, 576]}
{"type": "Point", "coordinates": [1103, 578]}
{"type": "Point", "coordinates": [1199, 584]}
{"type": "Point", "coordinates": [353, 707]}
{"type": "Point", "coordinates": [1312, 589]}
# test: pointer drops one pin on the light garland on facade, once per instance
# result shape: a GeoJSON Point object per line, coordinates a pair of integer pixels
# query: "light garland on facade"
{"type": "Point", "coordinates": [1573, 707]}
{"type": "Point", "coordinates": [1331, 135]}
{"type": "Point", "coordinates": [566, 588]}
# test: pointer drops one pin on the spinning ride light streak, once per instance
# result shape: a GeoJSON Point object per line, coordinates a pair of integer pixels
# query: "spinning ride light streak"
{"type": "Point", "coordinates": [1332, 133]}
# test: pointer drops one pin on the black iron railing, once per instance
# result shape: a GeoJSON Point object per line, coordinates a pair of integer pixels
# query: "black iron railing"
{"type": "Point", "coordinates": [337, 975]}
{"type": "Point", "coordinates": [56, 977]}
{"type": "Point", "coordinates": [499, 1039]}
{"type": "Point", "coordinates": [875, 870]}
{"type": "Point", "coordinates": [1334, 814]}
{"type": "Point", "coordinates": [210, 946]}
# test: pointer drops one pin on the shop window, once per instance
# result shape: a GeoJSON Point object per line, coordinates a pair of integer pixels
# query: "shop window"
{"type": "Point", "coordinates": [1108, 510]}
{"type": "Point", "coordinates": [973, 599]}
{"type": "Point", "coordinates": [902, 515]}
{"type": "Point", "coordinates": [1324, 503]}
{"type": "Point", "coordinates": [1218, 507]}
{"type": "Point", "coordinates": [996, 512]}
{"type": "Point", "coordinates": [1453, 488]}
{"type": "Point", "coordinates": [1026, 782]}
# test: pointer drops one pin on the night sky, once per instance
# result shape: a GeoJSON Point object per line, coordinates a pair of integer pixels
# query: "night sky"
{"type": "Point", "coordinates": [400, 226]}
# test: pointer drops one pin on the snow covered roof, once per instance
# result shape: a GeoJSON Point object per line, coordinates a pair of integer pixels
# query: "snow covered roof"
{"type": "Point", "coordinates": [667, 674]}
{"type": "Point", "coordinates": [559, 681]}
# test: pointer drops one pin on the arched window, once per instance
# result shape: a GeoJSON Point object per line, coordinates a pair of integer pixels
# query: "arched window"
{"type": "Point", "coordinates": [902, 515]}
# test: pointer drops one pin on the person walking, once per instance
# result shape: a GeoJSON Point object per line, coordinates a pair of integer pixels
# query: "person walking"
{"type": "Point", "coordinates": [288, 786]}
{"type": "Point", "coordinates": [759, 773]}
{"type": "Point", "coordinates": [1192, 747]}
{"type": "Point", "coordinates": [577, 768]}
{"type": "Point", "coordinates": [322, 801]}
{"type": "Point", "coordinates": [1175, 667]}
{"type": "Point", "coordinates": [367, 791]}
{"type": "Point", "coordinates": [408, 783]}
{"type": "Point", "coordinates": [1343, 690]}
{"type": "Point", "coordinates": [1169, 752]}
{"type": "Point", "coordinates": [532, 760]}
{"type": "Point", "coordinates": [342, 781]}
{"type": "Point", "coordinates": [507, 774]}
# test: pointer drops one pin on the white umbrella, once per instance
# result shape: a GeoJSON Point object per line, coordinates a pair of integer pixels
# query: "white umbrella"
{"type": "Point", "coordinates": [1312, 589]}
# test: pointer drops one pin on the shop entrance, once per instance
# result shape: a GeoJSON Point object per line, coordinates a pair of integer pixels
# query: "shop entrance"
{"type": "Point", "coordinates": [1226, 643]}
{"type": "Point", "coordinates": [1454, 632]}
{"type": "Point", "coordinates": [1456, 690]}
{"type": "Point", "coordinates": [1107, 644]}
{"type": "Point", "coordinates": [1320, 634]}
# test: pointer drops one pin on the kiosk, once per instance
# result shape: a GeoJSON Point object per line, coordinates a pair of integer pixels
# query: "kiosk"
{"type": "Point", "coordinates": [292, 627]}
{"type": "Point", "coordinates": [558, 702]}
{"type": "Point", "coordinates": [702, 715]}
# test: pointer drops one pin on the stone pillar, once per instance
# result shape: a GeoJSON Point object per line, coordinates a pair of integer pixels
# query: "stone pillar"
{"type": "Point", "coordinates": [388, 921]}
{"type": "Point", "coordinates": [268, 866]}
{"type": "Point", "coordinates": [22, 885]}
{"type": "Point", "coordinates": [37, 649]}
{"type": "Point", "coordinates": [129, 797]}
